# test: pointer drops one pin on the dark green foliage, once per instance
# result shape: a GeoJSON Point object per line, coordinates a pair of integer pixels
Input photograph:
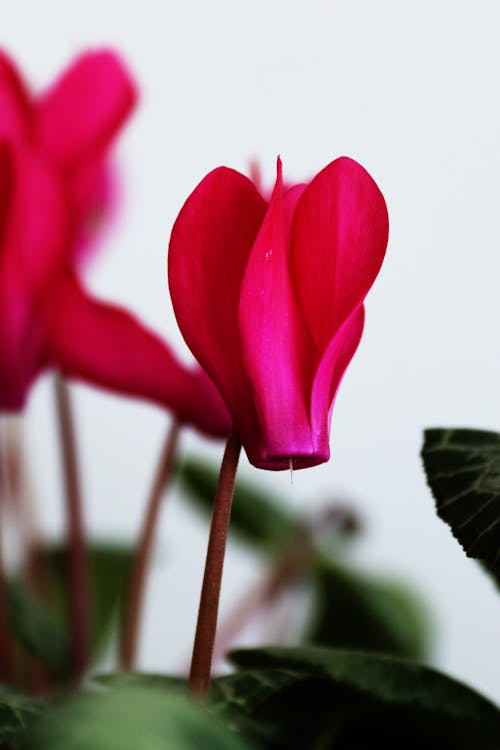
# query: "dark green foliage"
{"type": "Point", "coordinates": [110, 565]}
{"type": "Point", "coordinates": [132, 717]}
{"type": "Point", "coordinates": [311, 697]}
{"type": "Point", "coordinates": [37, 629]}
{"type": "Point", "coordinates": [16, 712]}
{"type": "Point", "coordinates": [463, 473]}
{"type": "Point", "coordinates": [357, 611]}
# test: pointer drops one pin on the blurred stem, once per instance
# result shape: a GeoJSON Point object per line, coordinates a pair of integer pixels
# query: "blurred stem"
{"type": "Point", "coordinates": [258, 598]}
{"type": "Point", "coordinates": [135, 595]}
{"type": "Point", "coordinates": [20, 493]}
{"type": "Point", "coordinates": [79, 586]}
{"type": "Point", "coordinates": [295, 560]}
{"type": "Point", "coordinates": [201, 664]}
{"type": "Point", "coordinates": [7, 667]}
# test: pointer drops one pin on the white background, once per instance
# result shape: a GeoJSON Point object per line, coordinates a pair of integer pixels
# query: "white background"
{"type": "Point", "coordinates": [411, 90]}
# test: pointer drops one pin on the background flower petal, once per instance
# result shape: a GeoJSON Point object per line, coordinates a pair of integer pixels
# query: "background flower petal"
{"type": "Point", "coordinates": [81, 113]}
{"type": "Point", "coordinates": [106, 346]}
{"type": "Point", "coordinates": [15, 106]}
{"type": "Point", "coordinates": [33, 247]}
{"type": "Point", "coordinates": [36, 230]}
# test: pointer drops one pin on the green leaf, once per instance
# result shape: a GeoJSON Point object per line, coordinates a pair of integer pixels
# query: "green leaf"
{"type": "Point", "coordinates": [16, 712]}
{"type": "Point", "coordinates": [132, 718]}
{"type": "Point", "coordinates": [139, 679]}
{"type": "Point", "coordinates": [356, 611]}
{"type": "Point", "coordinates": [110, 564]}
{"type": "Point", "coordinates": [463, 473]}
{"type": "Point", "coordinates": [257, 517]}
{"type": "Point", "coordinates": [36, 629]}
{"type": "Point", "coordinates": [493, 571]}
{"type": "Point", "coordinates": [352, 700]}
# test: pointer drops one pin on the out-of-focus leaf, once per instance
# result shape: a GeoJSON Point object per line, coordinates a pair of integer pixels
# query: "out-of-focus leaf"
{"type": "Point", "coordinates": [463, 473]}
{"type": "Point", "coordinates": [37, 629]}
{"type": "Point", "coordinates": [493, 571]}
{"type": "Point", "coordinates": [257, 517]}
{"type": "Point", "coordinates": [16, 712]}
{"type": "Point", "coordinates": [110, 565]}
{"type": "Point", "coordinates": [132, 718]}
{"type": "Point", "coordinates": [356, 611]}
{"type": "Point", "coordinates": [139, 679]}
{"type": "Point", "coordinates": [314, 697]}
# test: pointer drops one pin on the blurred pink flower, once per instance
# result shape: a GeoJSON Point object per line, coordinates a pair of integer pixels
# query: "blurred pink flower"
{"type": "Point", "coordinates": [269, 297]}
{"type": "Point", "coordinates": [54, 185]}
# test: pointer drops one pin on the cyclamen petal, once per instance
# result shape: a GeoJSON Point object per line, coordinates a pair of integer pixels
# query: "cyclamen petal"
{"type": "Point", "coordinates": [338, 241]}
{"type": "Point", "coordinates": [220, 220]}
{"type": "Point", "coordinates": [105, 345]}
{"type": "Point", "coordinates": [55, 187]}
{"type": "Point", "coordinates": [80, 115]}
{"type": "Point", "coordinates": [276, 345]}
{"type": "Point", "coordinates": [296, 291]}
{"type": "Point", "coordinates": [16, 110]}
{"type": "Point", "coordinates": [32, 239]}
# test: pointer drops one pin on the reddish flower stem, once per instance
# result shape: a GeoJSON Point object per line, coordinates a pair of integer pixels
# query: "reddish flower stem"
{"type": "Point", "coordinates": [135, 595]}
{"type": "Point", "coordinates": [258, 598]}
{"type": "Point", "coordinates": [201, 664]}
{"type": "Point", "coordinates": [7, 668]}
{"type": "Point", "coordinates": [79, 584]}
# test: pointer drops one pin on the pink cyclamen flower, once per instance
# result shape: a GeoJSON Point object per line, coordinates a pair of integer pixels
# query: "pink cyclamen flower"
{"type": "Point", "coordinates": [269, 298]}
{"type": "Point", "coordinates": [54, 180]}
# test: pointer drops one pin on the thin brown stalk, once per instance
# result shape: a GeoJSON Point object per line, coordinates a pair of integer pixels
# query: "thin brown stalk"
{"type": "Point", "coordinates": [7, 646]}
{"type": "Point", "coordinates": [137, 586]}
{"type": "Point", "coordinates": [35, 678]}
{"type": "Point", "coordinates": [258, 598]}
{"type": "Point", "coordinates": [79, 584]}
{"type": "Point", "coordinates": [201, 664]}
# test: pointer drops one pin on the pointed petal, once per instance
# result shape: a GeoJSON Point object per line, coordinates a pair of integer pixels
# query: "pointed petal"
{"type": "Point", "coordinates": [277, 348]}
{"type": "Point", "coordinates": [329, 374]}
{"type": "Point", "coordinates": [209, 248]}
{"type": "Point", "coordinates": [6, 187]}
{"type": "Point", "coordinates": [16, 110]}
{"type": "Point", "coordinates": [339, 236]}
{"type": "Point", "coordinates": [79, 116]}
{"type": "Point", "coordinates": [106, 346]}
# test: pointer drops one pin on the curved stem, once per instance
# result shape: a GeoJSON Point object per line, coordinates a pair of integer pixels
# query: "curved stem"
{"type": "Point", "coordinates": [201, 664]}
{"type": "Point", "coordinates": [258, 598]}
{"type": "Point", "coordinates": [79, 588]}
{"type": "Point", "coordinates": [135, 595]}
{"type": "Point", "coordinates": [7, 669]}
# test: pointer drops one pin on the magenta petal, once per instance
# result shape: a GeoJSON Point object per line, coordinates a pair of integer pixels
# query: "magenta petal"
{"type": "Point", "coordinates": [277, 349]}
{"type": "Point", "coordinates": [209, 248]}
{"type": "Point", "coordinates": [94, 197]}
{"type": "Point", "coordinates": [36, 233]}
{"type": "Point", "coordinates": [79, 116]}
{"type": "Point", "coordinates": [33, 247]}
{"type": "Point", "coordinates": [329, 374]}
{"type": "Point", "coordinates": [22, 285]}
{"type": "Point", "coordinates": [15, 106]}
{"type": "Point", "coordinates": [6, 188]}
{"type": "Point", "coordinates": [339, 237]}
{"type": "Point", "coordinates": [21, 340]}
{"type": "Point", "coordinates": [106, 346]}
